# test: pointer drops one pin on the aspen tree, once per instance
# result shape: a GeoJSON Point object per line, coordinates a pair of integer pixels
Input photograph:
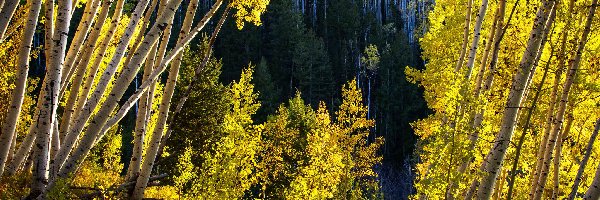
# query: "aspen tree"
{"type": "Point", "coordinates": [89, 80]}
{"type": "Point", "coordinates": [152, 151]}
{"type": "Point", "coordinates": [576, 59]}
{"type": "Point", "coordinates": [593, 193]}
{"type": "Point", "coordinates": [74, 50]}
{"type": "Point", "coordinates": [88, 49]}
{"type": "Point", "coordinates": [18, 94]}
{"type": "Point", "coordinates": [8, 9]}
{"type": "Point", "coordinates": [47, 113]}
{"type": "Point", "coordinates": [463, 48]}
{"type": "Point", "coordinates": [476, 36]}
{"type": "Point", "coordinates": [90, 105]}
{"type": "Point", "coordinates": [558, 154]}
{"type": "Point", "coordinates": [584, 161]}
{"type": "Point", "coordinates": [494, 160]}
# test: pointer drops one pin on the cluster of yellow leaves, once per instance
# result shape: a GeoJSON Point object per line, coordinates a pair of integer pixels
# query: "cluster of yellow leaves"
{"type": "Point", "coordinates": [444, 142]}
{"type": "Point", "coordinates": [248, 11]}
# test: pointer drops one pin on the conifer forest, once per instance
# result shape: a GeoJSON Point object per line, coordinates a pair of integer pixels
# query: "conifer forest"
{"type": "Point", "coordinates": [300, 99]}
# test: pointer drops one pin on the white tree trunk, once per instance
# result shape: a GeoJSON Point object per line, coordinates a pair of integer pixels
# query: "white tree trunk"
{"type": "Point", "coordinates": [463, 48]}
{"type": "Point", "coordinates": [18, 94]}
{"type": "Point", "coordinates": [8, 9]}
{"type": "Point", "coordinates": [476, 36]}
{"type": "Point", "coordinates": [576, 59]}
{"type": "Point", "coordinates": [558, 156]}
{"type": "Point", "coordinates": [79, 123]}
{"type": "Point", "coordinates": [496, 156]}
{"type": "Point", "coordinates": [88, 49]}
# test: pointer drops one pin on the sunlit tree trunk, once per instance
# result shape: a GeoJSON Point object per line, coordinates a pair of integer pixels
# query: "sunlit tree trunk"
{"type": "Point", "coordinates": [89, 80]}
{"type": "Point", "coordinates": [47, 117]}
{"type": "Point", "coordinates": [593, 193]}
{"type": "Point", "coordinates": [81, 32]}
{"type": "Point", "coordinates": [8, 9]}
{"type": "Point", "coordinates": [497, 154]}
{"type": "Point", "coordinates": [584, 161]}
{"type": "Point", "coordinates": [163, 112]}
{"type": "Point", "coordinates": [558, 156]}
{"type": "Point", "coordinates": [18, 94]}
{"type": "Point", "coordinates": [463, 48]}
{"type": "Point", "coordinates": [125, 78]}
{"type": "Point", "coordinates": [82, 65]}
{"type": "Point", "coordinates": [80, 121]}
{"type": "Point", "coordinates": [576, 59]}
{"type": "Point", "coordinates": [476, 36]}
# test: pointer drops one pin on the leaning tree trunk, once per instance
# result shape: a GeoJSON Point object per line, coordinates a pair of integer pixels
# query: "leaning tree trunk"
{"type": "Point", "coordinates": [89, 80]}
{"type": "Point", "coordinates": [127, 75]}
{"type": "Point", "coordinates": [10, 124]}
{"type": "Point", "coordinates": [47, 117]}
{"type": "Point", "coordinates": [563, 103]}
{"type": "Point", "coordinates": [89, 107]}
{"type": "Point", "coordinates": [476, 36]}
{"type": "Point", "coordinates": [593, 193]}
{"type": "Point", "coordinates": [159, 129]}
{"type": "Point", "coordinates": [83, 28]}
{"type": "Point", "coordinates": [494, 160]}
{"type": "Point", "coordinates": [584, 161]}
{"type": "Point", "coordinates": [558, 154]}
{"type": "Point", "coordinates": [463, 48]}
{"type": "Point", "coordinates": [8, 9]}
{"type": "Point", "coordinates": [88, 50]}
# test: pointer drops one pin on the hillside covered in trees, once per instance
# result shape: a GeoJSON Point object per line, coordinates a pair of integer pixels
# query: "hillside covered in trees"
{"type": "Point", "coordinates": [299, 99]}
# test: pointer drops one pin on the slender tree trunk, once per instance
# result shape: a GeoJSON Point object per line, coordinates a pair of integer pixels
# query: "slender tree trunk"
{"type": "Point", "coordinates": [586, 157]}
{"type": "Point", "coordinates": [593, 193]}
{"type": "Point", "coordinates": [476, 36]}
{"type": "Point", "coordinates": [18, 94]}
{"type": "Point", "coordinates": [463, 48]}
{"type": "Point", "coordinates": [497, 154]}
{"type": "Point", "coordinates": [82, 66]}
{"type": "Point", "coordinates": [8, 9]}
{"type": "Point", "coordinates": [159, 129]}
{"type": "Point", "coordinates": [550, 112]}
{"type": "Point", "coordinates": [558, 154]}
{"type": "Point", "coordinates": [81, 32]}
{"type": "Point", "coordinates": [89, 80]}
{"type": "Point", "coordinates": [127, 75]}
{"type": "Point", "coordinates": [47, 117]}
{"type": "Point", "coordinates": [526, 126]}
{"type": "Point", "coordinates": [576, 59]}
{"type": "Point", "coordinates": [79, 123]}
{"type": "Point", "coordinates": [144, 113]}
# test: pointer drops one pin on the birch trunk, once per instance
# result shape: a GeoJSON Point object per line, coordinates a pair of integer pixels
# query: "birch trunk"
{"type": "Point", "coordinates": [156, 72]}
{"type": "Point", "coordinates": [558, 154]}
{"type": "Point", "coordinates": [89, 107]}
{"type": "Point", "coordinates": [586, 157]}
{"type": "Point", "coordinates": [89, 80]}
{"type": "Point", "coordinates": [563, 104]}
{"type": "Point", "coordinates": [81, 32]}
{"type": "Point", "coordinates": [593, 193]}
{"type": "Point", "coordinates": [8, 9]}
{"type": "Point", "coordinates": [476, 36]}
{"type": "Point", "coordinates": [496, 156]}
{"type": "Point", "coordinates": [47, 116]}
{"type": "Point", "coordinates": [159, 129]}
{"type": "Point", "coordinates": [18, 94]}
{"type": "Point", "coordinates": [144, 113]}
{"type": "Point", "coordinates": [82, 66]}
{"type": "Point", "coordinates": [127, 75]}
{"type": "Point", "coordinates": [463, 47]}
{"type": "Point", "coordinates": [550, 112]}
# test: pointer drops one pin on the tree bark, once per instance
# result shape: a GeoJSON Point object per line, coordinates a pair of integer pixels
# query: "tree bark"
{"type": "Point", "coordinates": [586, 157]}
{"type": "Point", "coordinates": [79, 123]}
{"type": "Point", "coordinates": [558, 154]}
{"type": "Point", "coordinates": [497, 154]}
{"type": "Point", "coordinates": [82, 66]}
{"type": "Point", "coordinates": [593, 193]}
{"type": "Point", "coordinates": [476, 36]}
{"type": "Point", "coordinates": [8, 9]}
{"type": "Point", "coordinates": [18, 94]}
{"type": "Point", "coordinates": [463, 48]}
{"type": "Point", "coordinates": [576, 59]}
